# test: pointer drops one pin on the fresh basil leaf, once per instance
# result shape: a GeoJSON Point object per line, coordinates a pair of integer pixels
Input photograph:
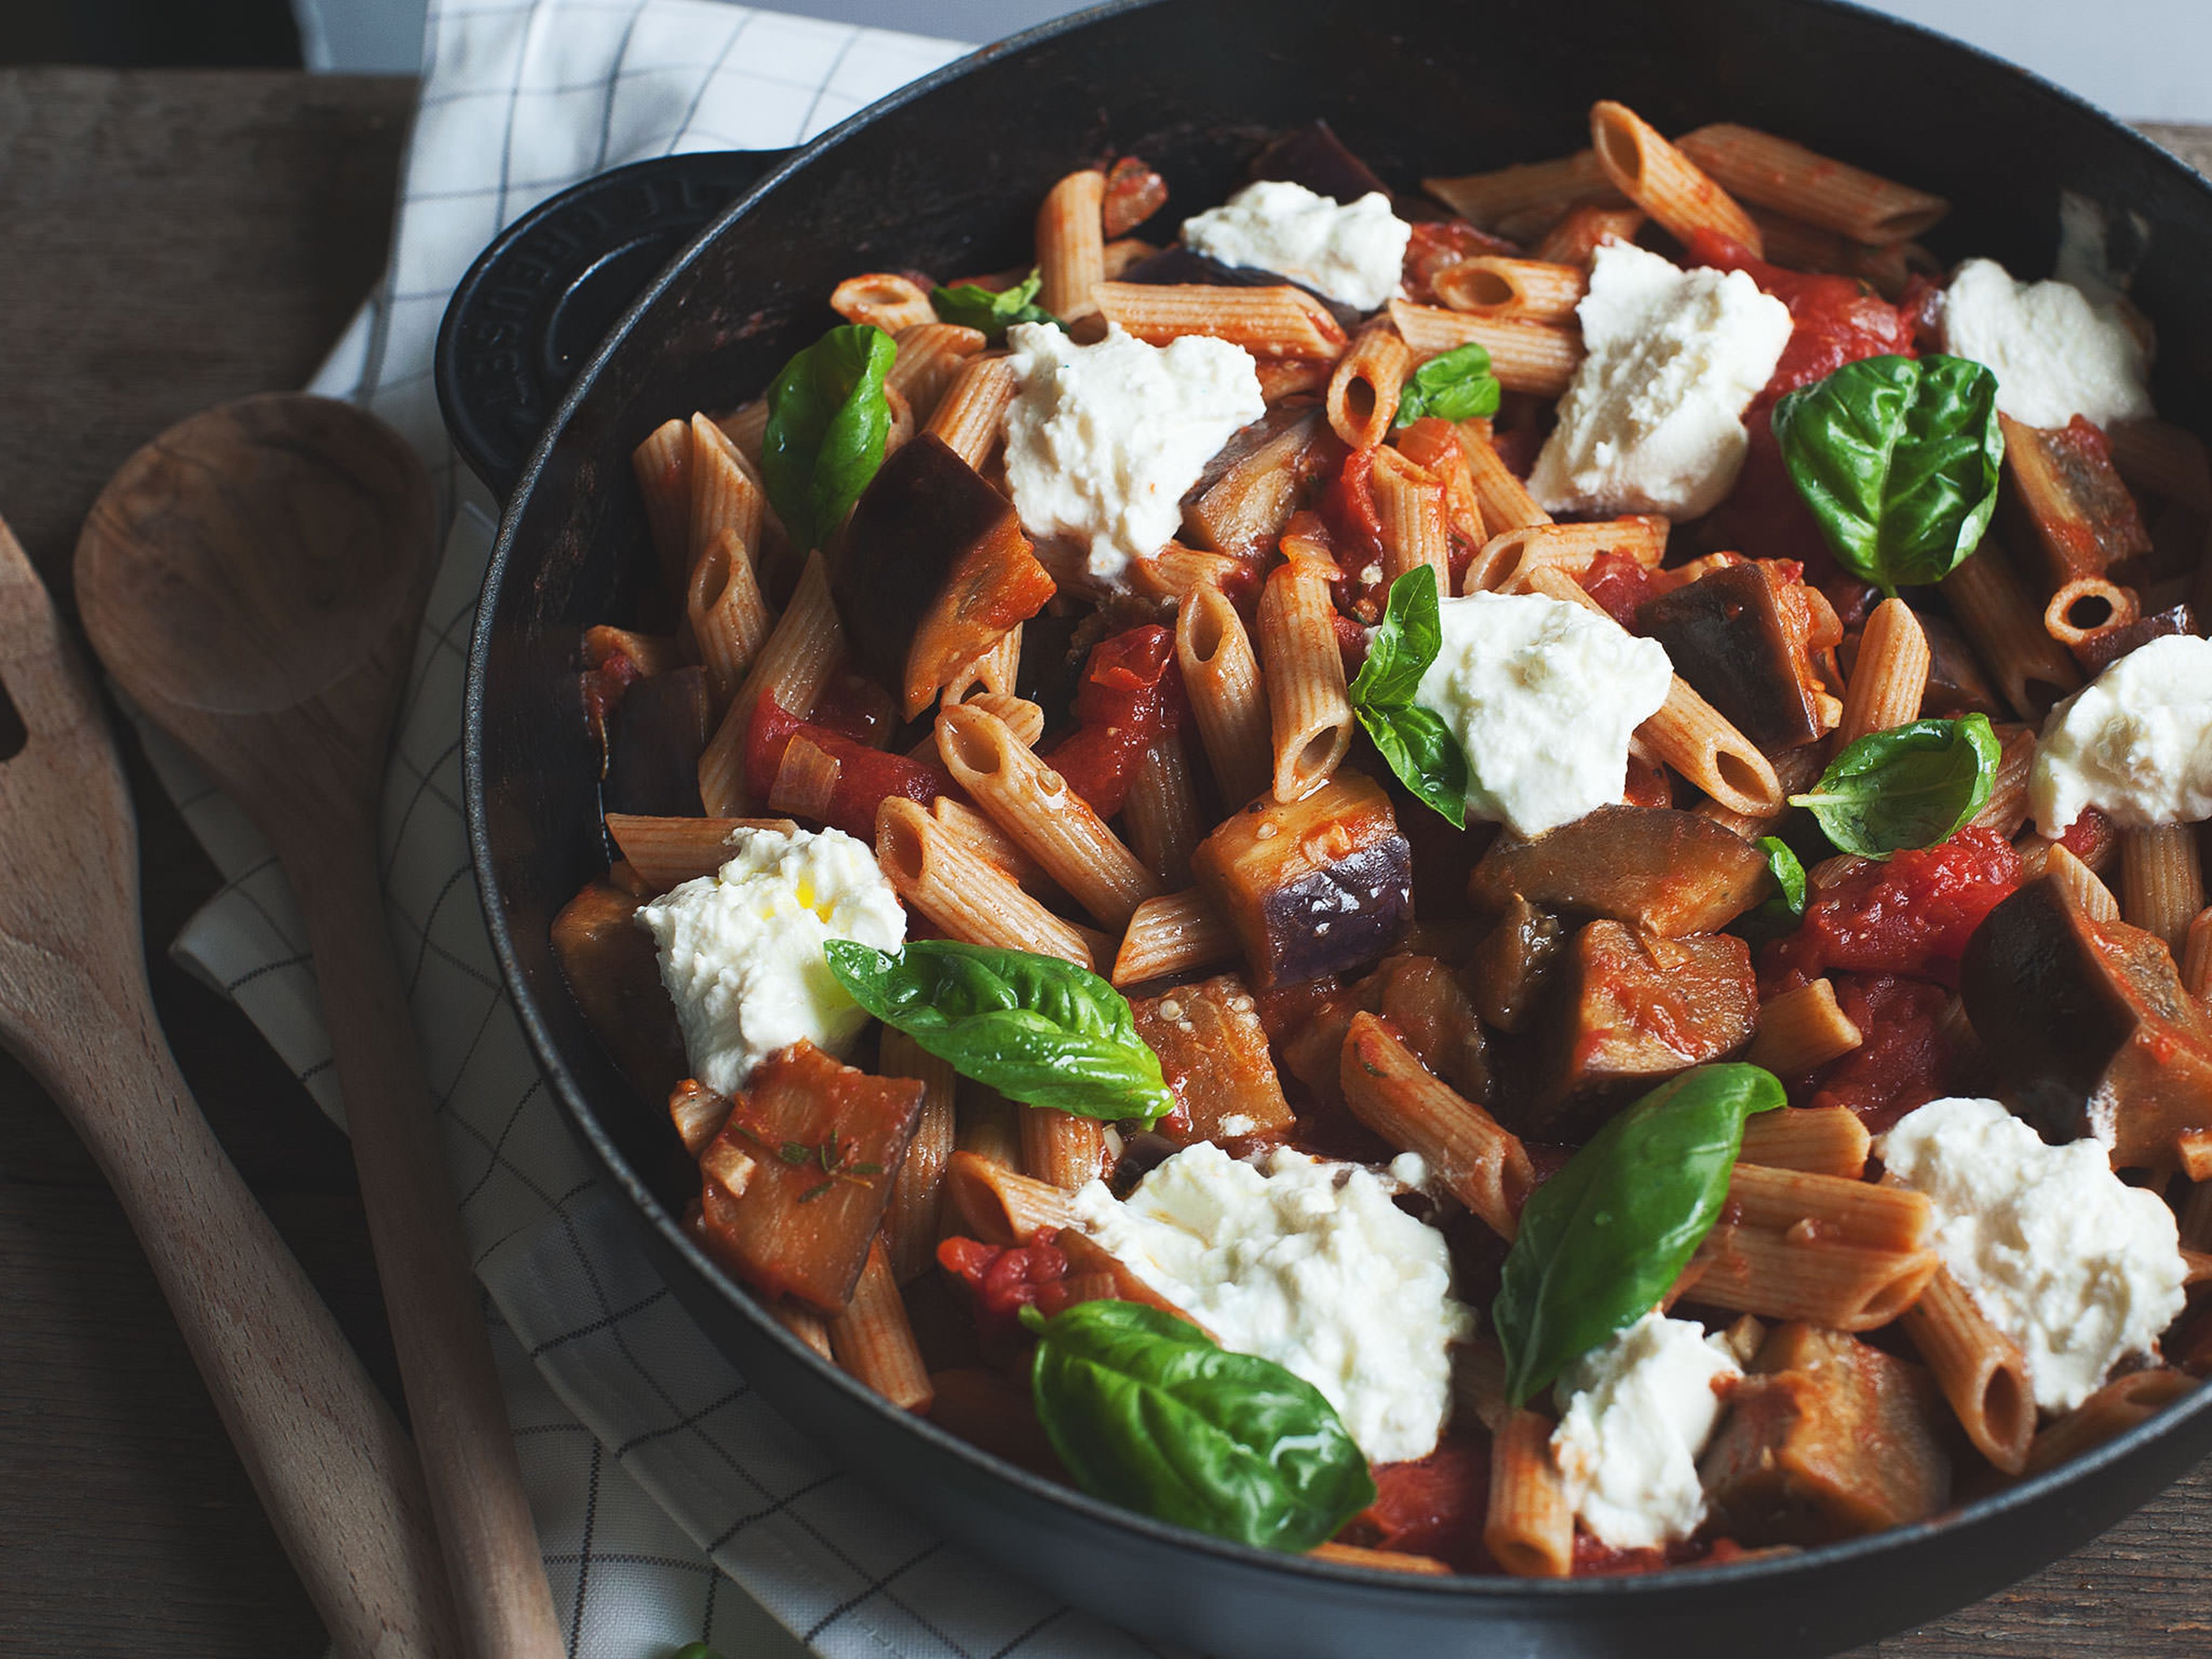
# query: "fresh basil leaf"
{"type": "Point", "coordinates": [1453, 385]}
{"type": "Point", "coordinates": [1898, 458]}
{"type": "Point", "coordinates": [1781, 913]}
{"type": "Point", "coordinates": [972, 306]}
{"type": "Point", "coordinates": [1423, 753]}
{"type": "Point", "coordinates": [1149, 1413]}
{"type": "Point", "coordinates": [828, 420]}
{"type": "Point", "coordinates": [1037, 1029]}
{"type": "Point", "coordinates": [1419, 747]}
{"type": "Point", "coordinates": [1911, 785]}
{"type": "Point", "coordinates": [1600, 1241]}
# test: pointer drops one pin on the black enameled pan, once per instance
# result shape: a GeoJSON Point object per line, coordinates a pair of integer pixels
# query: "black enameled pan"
{"type": "Point", "coordinates": [946, 177]}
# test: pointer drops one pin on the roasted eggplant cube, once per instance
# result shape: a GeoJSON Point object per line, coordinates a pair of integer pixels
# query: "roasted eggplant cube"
{"type": "Point", "coordinates": [657, 734]}
{"type": "Point", "coordinates": [1828, 1438]}
{"type": "Point", "coordinates": [1215, 1055]}
{"type": "Point", "coordinates": [1637, 1009]}
{"type": "Point", "coordinates": [1248, 491]}
{"type": "Point", "coordinates": [1321, 886]}
{"type": "Point", "coordinates": [1433, 1014]}
{"type": "Point", "coordinates": [796, 1181]}
{"type": "Point", "coordinates": [1511, 966]}
{"type": "Point", "coordinates": [614, 974]}
{"type": "Point", "coordinates": [1727, 636]}
{"type": "Point", "coordinates": [1653, 867]}
{"type": "Point", "coordinates": [2088, 1022]}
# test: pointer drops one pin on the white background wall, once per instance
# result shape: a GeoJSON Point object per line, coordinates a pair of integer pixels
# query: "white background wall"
{"type": "Point", "coordinates": [2144, 59]}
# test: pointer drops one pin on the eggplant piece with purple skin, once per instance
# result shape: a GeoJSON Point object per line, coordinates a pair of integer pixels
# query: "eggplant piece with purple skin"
{"type": "Point", "coordinates": [1313, 155]}
{"type": "Point", "coordinates": [2108, 645]}
{"type": "Point", "coordinates": [1727, 635]}
{"type": "Point", "coordinates": [2089, 1023]}
{"type": "Point", "coordinates": [1667, 872]}
{"type": "Point", "coordinates": [654, 745]}
{"type": "Point", "coordinates": [1248, 491]}
{"type": "Point", "coordinates": [1320, 886]}
{"type": "Point", "coordinates": [1956, 684]}
{"type": "Point", "coordinates": [614, 973]}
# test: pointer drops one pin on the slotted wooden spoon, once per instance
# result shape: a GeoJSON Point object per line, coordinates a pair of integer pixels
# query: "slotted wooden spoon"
{"type": "Point", "coordinates": [254, 578]}
{"type": "Point", "coordinates": [332, 1465]}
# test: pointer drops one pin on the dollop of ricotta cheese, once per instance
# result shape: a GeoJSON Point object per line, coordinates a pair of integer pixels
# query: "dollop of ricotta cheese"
{"type": "Point", "coordinates": [1653, 419]}
{"type": "Point", "coordinates": [1354, 252]}
{"type": "Point", "coordinates": [2079, 1268]}
{"type": "Point", "coordinates": [2136, 742]}
{"type": "Point", "coordinates": [741, 950]}
{"type": "Point", "coordinates": [1634, 1412]}
{"type": "Point", "coordinates": [2054, 353]}
{"type": "Point", "coordinates": [1103, 440]}
{"type": "Point", "coordinates": [1543, 696]}
{"type": "Point", "coordinates": [1306, 1263]}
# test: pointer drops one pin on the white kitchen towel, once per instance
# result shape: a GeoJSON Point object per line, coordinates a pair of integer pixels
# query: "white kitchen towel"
{"type": "Point", "coordinates": [650, 1461]}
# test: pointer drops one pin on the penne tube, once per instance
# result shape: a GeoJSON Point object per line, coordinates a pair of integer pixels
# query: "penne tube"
{"type": "Point", "coordinates": [1845, 1287]}
{"type": "Point", "coordinates": [1228, 699]}
{"type": "Point", "coordinates": [1573, 547]}
{"type": "Point", "coordinates": [1535, 290]}
{"type": "Point", "coordinates": [1000, 1205]}
{"type": "Point", "coordinates": [1051, 822]}
{"type": "Point", "coordinates": [986, 1126]}
{"type": "Point", "coordinates": [1665, 183]}
{"type": "Point", "coordinates": [912, 1221]}
{"type": "Point", "coordinates": [1175, 934]}
{"type": "Point", "coordinates": [1529, 1528]}
{"type": "Point", "coordinates": [2197, 958]}
{"type": "Point", "coordinates": [971, 414]}
{"type": "Point", "coordinates": [1311, 717]}
{"type": "Point", "coordinates": [803, 1322]}
{"type": "Point", "coordinates": [1794, 1204]}
{"type": "Point", "coordinates": [1070, 245]}
{"type": "Point", "coordinates": [649, 654]}
{"type": "Point", "coordinates": [1088, 1258]}
{"type": "Point", "coordinates": [964, 893]}
{"type": "Point", "coordinates": [1409, 501]}
{"type": "Point", "coordinates": [746, 426]}
{"type": "Point", "coordinates": [801, 654]}
{"type": "Point", "coordinates": [930, 357]}
{"type": "Point", "coordinates": [1436, 447]}
{"type": "Point", "coordinates": [957, 821]}
{"type": "Point", "coordinates": [1479, 1381]}
{"type": "Point", "coordinates": [873, 1342]}
{"type": "Point", "coordinates": [2161, 881]}
{"type": "Point", "coordinates": [902, 422]}
{"type": "Point", "coordinates": [884, 300]}
{"type": "Point", "coordinates": [1506, 502]}
{"type": "Point", "coordinates": [1061, 1149]}
{"type": "Point", "coordinates": [726, 491]}
{"type": "Point", "coordinates": [1979, 1369]}
{"type": "Point", "coordinates": [2081, 609]}
{"type": "Point", "coordinates": [1487, 197]}
{"type": "Point", "coordinates": [1801, 1029]}
{"type": "Point", "coordinates": [1575, 238]}
{"type": "Point", "coordinates": [1284, 377]}
{"type": "Point", "coordinates": [1526, 357]}
{"type": "Point", "coordinates": [992, 675]}
{"type": "Point", "coordinates": [1992, 608]}
{"type": "Point", "coordinates": [1483, 1164]}
{"type": "Point", "coordinates": [2122, 1404]}
{"type": "Point", "coordinates": [1759, 168]}
{"type": "Point", "coordinates": [1354, 1555]}
{"type": "Point", "coordinates": [2156, 458]}
{"type": "Point", "coordinates": [1123, 251]}
{"type": "Point", "coordinates": [729, 619]}
{"type": "Point", "coordinates": [1362, 399]}
{"type": "Point", "coordinates": [1818, 1139]}
{"type": "Point", "coordinates": [1181, 573]}
{"type": "Point", "coordinates": [667, 853]}
{"type": "Point", "coordinates": [1889, 677]}
{"type": "Point", "coordinates": [1268, 322]}
{"type": "Point", "coordinates": [2006, 809]}
{"type": "Point", "coordinates": [663, 466]}
{"type": "Point", "coordinates": [1161, 813]}
{"type": "Point", "coordinates": [2080, 882]}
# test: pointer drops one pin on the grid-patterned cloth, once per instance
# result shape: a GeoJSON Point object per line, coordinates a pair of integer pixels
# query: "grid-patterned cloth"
{"type": "Point", "coordinates": [650, 1462]}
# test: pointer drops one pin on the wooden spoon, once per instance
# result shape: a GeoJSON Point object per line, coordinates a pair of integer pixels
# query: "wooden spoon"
{"type": "Point", "coordinates": [254, 578]}
{"type": "Point", "coordinates": [333, 1466]}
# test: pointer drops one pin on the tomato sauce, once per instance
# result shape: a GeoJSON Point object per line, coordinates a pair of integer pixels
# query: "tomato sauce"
{"type": "Point", "coordinates": [1438, 243]}
{"type": "Point", "coordinates": [1911, 916]}
{"type": "Point", "coordinates": [1005, 1279]}
{"type": "Point", "coordinates": [1433, 1506]}
{"type": "Point", "coordinates": [1902, 1063]}
{"type": "Point", "coordinates": [1620, 584]}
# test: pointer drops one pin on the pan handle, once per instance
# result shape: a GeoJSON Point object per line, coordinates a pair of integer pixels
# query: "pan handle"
{"type": "Point", "coordinates": [545, 293]}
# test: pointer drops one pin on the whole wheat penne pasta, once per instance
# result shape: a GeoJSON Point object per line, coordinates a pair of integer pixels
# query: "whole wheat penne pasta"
{"type": "Point", "coordinates": [1992, 608]}
{"type": "Point", "coordinates": [959, 823]}
{"type": "Point", "coordinates": [2006, 809]}
{"type": "Point", "coordinates": [1355, 1555]}
{"type": "Point", "coordinates": [805, 780]}
{"type": "Point", "coordinates": [1174, 934]}
{"type": "Point", "coordinates": [1089, 1258]}
{"type": "Point", "coordinates": [667, 853]}
{"type": "Point", "coordinates": [1663, 181]}
{"type": "Point", "coordinates": [2157, 457]}
{"type": "Point", "coordinates": [663, 466]}
{"type": "Point", "coordinates": [746, 426]}
{"type": "Point", "coordinates": [2161, 881]}
{"type": "Point", "coordinates": [1122, 252]}
{"type": "Point", "coordinates": [1409, 502]}
{"type": "Point", "coordinates": [1000, 1206]}
{"type": "Point", "coordinates": [1479, 1381]}
{"type": "Point", "coordinates": [1506, 502]}
{"type": "Point", "coordinates": [1819, 1140]}
{"type": "Point", "coordinates": [967, 895]}
{"type": "Point", "coordinates": [992, 675]}
{"type": "Point", "coordinates": [1061, 1149]}
{"type": "Point", "coordinates": [1491, 285]}
{"type": "Point", "coordinates": [971, 414]}
{"type": "Point", "coordinates": [911, 1222]}
{"type": "Point", "coordinates": [903, 421]}
{"type": "Point", "coordinates": [1979, 1369]}
{"type": "Point", "coordinates": [1525, 355]}
{"type": "Point", "coordinates": [884, 300]}
{"type": "Point", "coordinates": [987, 1126]}
{"type": "Point", "coordinates": [1801, 1029]}
{"type": "Point", "coordinates": [1165, 820]}
{"type": "Point", "coordinates": [930, 356]}
{"type": "Point", "coordinates": [1362, 389]}
{"type": "Point", "coordinates": [1845, 1287]}
{"type": "Point", "coordinates": [1436, 447]}
{"type": "Point", "coordinates": [1311, 717]}
{"type": "Point", "coordinates": [2081, 883]}
{"type": "Point", "coordinates": [873, 1341]}
{"type": "Point", "coordinates": [2087, 605]}
{"type": "Point", "coordinates": [1758, 166]}
{"type": "Point", "coordinates": [1529, 1528]}
{"type": "Point", "coordinates": [1178, 573]}
{"type": "Point", "coordinates": [1055, 826]}
{"type": "Point", "coordinates": [1573, 547]}
{"type": "Point", "coordinates": [801, 654]}
{"type": "Point", "coordinates": [2196, 957]}
{"type": "Point", "coordinates": [726, 491]}
{"type": "Point", "coordinates": [1268, 322]}
{"type": "Point", "coordinates": [649, 654]}
{"type": "Point", "coordinates": [1890, 676]}
{"type": "Point", "coordinates": [1389, 1090]}
{"type": "Point", "coordinates": [1575, 238]}
{"type": "Point", "coordinates": [1228, 699]}
{"type": "Point", "coordinates": [2119, 1405]}
{"type": "Point", "coordinates": [803, 1322]}
{"type": "Point", "coordinates": [1835, 1209]}
{"type": "Point", "coordinates": [1070, 245]}
{"type": "Point", "coordinates": [1487, 197]}
{"type": "Point", "coordinates": [1282, 377]}
{"type": "Point", "coordinates": [729, 619]}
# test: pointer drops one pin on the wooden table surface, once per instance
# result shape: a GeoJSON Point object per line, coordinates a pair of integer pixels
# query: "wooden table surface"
{"type": "Point", "coordinates": [172, 239]}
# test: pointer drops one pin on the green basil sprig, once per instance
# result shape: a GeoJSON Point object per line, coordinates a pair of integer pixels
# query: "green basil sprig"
{"type": "Point", "coordinates": [1454, 386]}
{"type": "Point", "coordinates": [1898, 458]}
{"type": "Point", "coordinates": [1036, 1029]}
{"type": "Point", "coordinates": [1782, 912]}
{"type": "Point", "coordinates": [1600, 1241]}
{"type": "Point", "coordinates": [973, 305]}
{"type": "Point", "coordinates": [1911, 785]}
{"type": "Point", "coordinates": [828, 420]}
{"type": "Point", "coordinates": [1419, 746]}
{"type": "Point", "coordinates": [1149, 1413]}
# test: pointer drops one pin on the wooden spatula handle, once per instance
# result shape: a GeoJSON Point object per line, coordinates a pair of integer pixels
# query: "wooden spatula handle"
{"type": "Point", "coordinates": [333, 1467]}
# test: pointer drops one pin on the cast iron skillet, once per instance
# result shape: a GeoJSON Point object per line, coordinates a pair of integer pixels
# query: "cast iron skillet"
{"type": "Point", "coordinates": [946, 177]}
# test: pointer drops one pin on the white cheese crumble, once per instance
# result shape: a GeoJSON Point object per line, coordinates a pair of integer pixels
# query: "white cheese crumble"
{"type": "Point", "coordinates": [2055, 354]}
{"type": "Point", "coordinates": [1103, 440]}
{"type": "Point", "coordinates": [1653, 420]}
{"type": "Point", "coordinates": [1635, 1412]}
{"type": "Point", "coordinates": [1354, 252]}
{"type": "Point", "coordinates": [2079, 1268]}
{"type": "Point", "coordinates": [741, 950]}
{"type": "Point", "coordinates": [2136, 742]}
{"type": "Point", "coordinates": [1543, 696]}
{"type": "Point", "coordinates": [1307, 1264]}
